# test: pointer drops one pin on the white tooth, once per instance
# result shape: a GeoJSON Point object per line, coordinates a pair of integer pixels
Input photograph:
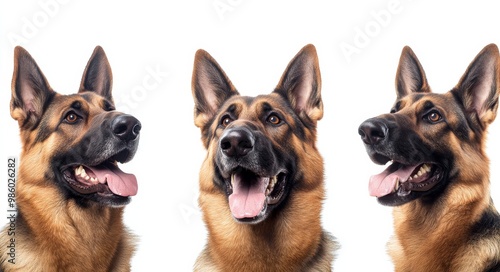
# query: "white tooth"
{"type": "Point", "coordinates": [87, 177]}
{"type": "Point", "coordinates": [419, 172]}
{"type": "Point", "coordinates": [83, 173]}
{"type": "Point", "coordinates": [415, 176]}
{"type": "Point", "coordinates": [410, 178]}
{"type": "Point", "coordinates": [94, 180]}
{"type": "Point", "coordinates": [77, 171]}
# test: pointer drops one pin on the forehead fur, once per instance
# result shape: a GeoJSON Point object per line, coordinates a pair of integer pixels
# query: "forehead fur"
{"type": "Point", "coordinates": [250, 106]}
{"type": "Point", "coordinates": [425, 100]}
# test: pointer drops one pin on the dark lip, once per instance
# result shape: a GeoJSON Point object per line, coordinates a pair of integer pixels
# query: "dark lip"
{"type": "Point", "coordinates": [379, 158]}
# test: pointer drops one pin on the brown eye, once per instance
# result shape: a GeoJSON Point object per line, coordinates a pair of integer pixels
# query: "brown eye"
{"type": "Point", "coordinates": [433, 117]}
{"type": "Point", "coordinates": [71, 118]}
{"type": "Point", "coordinates": [226, 121]}
{"type": "Point", "coordinates": [273, 119]}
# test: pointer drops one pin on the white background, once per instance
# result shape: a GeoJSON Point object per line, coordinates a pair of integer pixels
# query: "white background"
{"type": "Point", "coordinates": [253, 41]}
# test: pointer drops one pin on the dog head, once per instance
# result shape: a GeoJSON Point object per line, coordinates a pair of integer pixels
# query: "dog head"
{"type": "Point", "coordinates": [74, 141]}
{"type": "Point", "coordinates": [433, 140]}
{"type": "Point", "coordinates": [253, 143]}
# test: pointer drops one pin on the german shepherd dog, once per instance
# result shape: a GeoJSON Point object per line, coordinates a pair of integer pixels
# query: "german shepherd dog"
{"type": "Point", "coordinates": [444, 218]}
{"type": "Point", "coordinates": [70, 191]}
{"type": "Point", "coordinates": [261, 184]}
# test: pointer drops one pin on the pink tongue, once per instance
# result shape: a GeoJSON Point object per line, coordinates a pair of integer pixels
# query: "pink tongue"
{"type": "Point", "coordinates": [119, 182]}
{"type": "Point", "coordinates": [247, 200]}
{"type": "Point", "coordinates": [384, 183]}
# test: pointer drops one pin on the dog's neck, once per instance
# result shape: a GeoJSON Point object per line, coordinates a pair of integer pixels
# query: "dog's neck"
{"type": "Point", "coordinates": [442, 227]}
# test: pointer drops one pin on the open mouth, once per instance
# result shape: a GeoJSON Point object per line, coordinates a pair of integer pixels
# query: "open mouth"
{"type": "Point", "coordinates": [250, 194]}
{"type": "Point", "coordinates": [105, 179]}
{"type": "Point", "coordinates": [403, 179]}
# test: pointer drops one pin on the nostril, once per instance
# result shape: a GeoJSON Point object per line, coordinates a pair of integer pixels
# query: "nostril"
{"type": "Point", "coordinates": [246, 144]}
{"type": "Point", "coordinates": [225, 145]}
{"type": "Point", "coordinates": [119, 129]}
{"type": "Point", "coordinates": [137, 128]}
{"type": "Point", "coordinates": [361, 132]}
{"type": "Point", "coordinates": [377, 134]}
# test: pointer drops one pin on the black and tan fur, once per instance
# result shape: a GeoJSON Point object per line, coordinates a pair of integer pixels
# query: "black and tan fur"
{"type": "Point", "coordinates": [255, 137]}
{"type": "Point", "coordinates": [61, 224]}
{"type": "Point", "coordinates": [444, 218]}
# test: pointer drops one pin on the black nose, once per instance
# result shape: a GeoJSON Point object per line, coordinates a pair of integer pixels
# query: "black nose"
{"type": "Point", "coordinates": [126, 127]}
{"type": "Point", "coordinates": [237, 142]}
{"type": "Point", "coordinates": [373, 131]}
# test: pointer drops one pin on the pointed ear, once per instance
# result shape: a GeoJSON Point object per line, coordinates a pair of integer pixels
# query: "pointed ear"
{"type": "Point", "coordinates": [30, 89]}
{"type": "Point", "coordinates": [210, 87]}
{"type": "Point", "coordinates": [97, 76]}
{"type": "Point", "coordinates": [300, 84]}
{"type": "Point", "coordinates": [410, 76]}
{"type": "Point", "coordinates": [478, 88]}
